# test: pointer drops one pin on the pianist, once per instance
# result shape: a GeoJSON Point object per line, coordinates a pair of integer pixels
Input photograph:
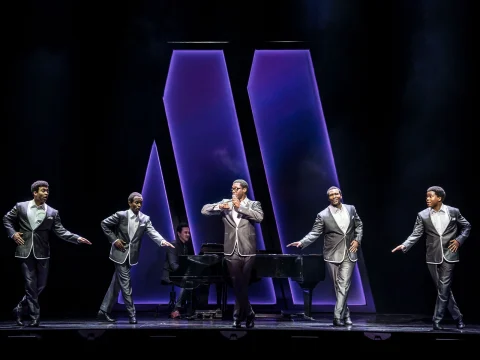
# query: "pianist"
{"type": "Point", "coordinates": [239, 215]}
{"type": "Point", "coordinates": [182, 246]}
{"type": "Point", "coordinates": [342, 230]}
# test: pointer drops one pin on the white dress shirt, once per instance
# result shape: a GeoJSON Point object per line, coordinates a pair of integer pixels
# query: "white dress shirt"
{"type": "Point", "coordinates": [440, 219]}
{"type": "Point", "coordinates": [341, 216]}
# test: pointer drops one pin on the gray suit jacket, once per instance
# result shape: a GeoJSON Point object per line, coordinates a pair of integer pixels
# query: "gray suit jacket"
{"type": "Point", "coordinates": [437, 244]}
{"type": "Point", "coordinates": [335, 243]}
{"type": "Point", "coordinates": [37, 240]}
{"type": "Point", "coordinates": [251, 213]}
{"type": "Point", "coordinates": [116, 227]}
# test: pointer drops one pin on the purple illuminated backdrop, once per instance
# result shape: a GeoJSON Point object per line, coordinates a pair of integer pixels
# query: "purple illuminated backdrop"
{"type": "Point", "coordinates": [296, 152]}
{"type": "Point", "coordinates": [147, 274]}
{"type": "Point", "coordinates": [208, 146]}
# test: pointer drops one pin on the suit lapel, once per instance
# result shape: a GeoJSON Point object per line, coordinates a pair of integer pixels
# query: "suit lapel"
{"type": "Point", "coordinates": [351, 222]}
{"type": "Point", "coordinates": [453, 218]}
{"type": "Point", "coordinates": [243, 221]}
{"type": "Point", "coordinates": [141, 220]}
{"type": "Point", "coordinates": [24, 212]}
{"type": "Point", "coordinates": [48, 213]}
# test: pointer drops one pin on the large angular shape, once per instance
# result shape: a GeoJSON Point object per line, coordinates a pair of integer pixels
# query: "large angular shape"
{"type": "Point", "coordinates": [297, 156]}
{"type": "Point", "coordinates": [147, 274]}
{"type": "Point", "coordinates": [208, 145]}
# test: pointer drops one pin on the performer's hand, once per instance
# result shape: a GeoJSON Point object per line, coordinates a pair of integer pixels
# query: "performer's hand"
{"type": "Point", "coordinates": [17, 237]}
{"type": "Point", "coordinates": [119, 244]}
{"type": "Point", "coordinates": [166, 243]}
{"type": "Point", "coordinates": [222, 206]}
{"type": "Point", "coordinates": [296, 244]}
{"type": "Point", "coordinates": [353, 246]}
{"type": "Point", "coordinates": [236, 202]}
{"type": "Point", "coordinates": [454, 245]}
{"type": "Point", "coordinates": [82, 240]}
{"type": "Point", "coordinates": [399, 247]}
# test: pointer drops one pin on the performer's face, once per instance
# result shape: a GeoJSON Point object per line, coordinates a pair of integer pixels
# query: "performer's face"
{"type": "Point", "coordinates": [334, 197]}
{"type": "Point", "coordinates": [432, 199]}
{"type": "Point", "coordinates": [238, 191]}
{"type": "Point", "coordinates": [136, 204]}
{"type": "Point", "coordinates": [184, 235]}
{"type": "Point", "coordinates": [41, 195]}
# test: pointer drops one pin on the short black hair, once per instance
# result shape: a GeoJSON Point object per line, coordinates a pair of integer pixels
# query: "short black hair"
{"type": "Point", "coordinates": [38, 184]}
{"type": "Point", "coordinates": [181, 226]}
{"type": "Point", "coordinates": [242, 183]}
{"type": "Point", "coordinates": [334, 187]}
{"type": "Point", "coordinates": [132, 196]}
{"type": "Point", "coordinates": [438, 191]}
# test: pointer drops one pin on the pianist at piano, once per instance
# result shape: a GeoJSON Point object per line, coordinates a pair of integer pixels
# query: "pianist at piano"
{"type": "Point", "coordinates": [182, 247]}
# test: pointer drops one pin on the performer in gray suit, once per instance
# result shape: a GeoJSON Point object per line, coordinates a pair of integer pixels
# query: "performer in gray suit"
{"type": "Point", "coordinates": [239, 215]}
{"type": "Point", "coordinates": [125, 230]}
{"type": "Point", "coordinates": [446, 230]}
{"type": "Point", "coordinates": [35, 222]}
{"type": "Point", "coordinates": [343, 231]}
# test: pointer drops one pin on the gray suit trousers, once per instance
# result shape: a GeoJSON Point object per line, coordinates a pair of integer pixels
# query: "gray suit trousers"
{"type": "Point", "coordinates": [341, 274]}
{"type": "Point", "coordinates": [120, 282]}
{"type": "Point", "coordinates": [442, 275]}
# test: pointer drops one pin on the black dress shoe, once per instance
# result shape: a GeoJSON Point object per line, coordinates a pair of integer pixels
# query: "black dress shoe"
{"type": "Point", "coordinates": [34, 323]}
{"type": "Point", "coordinates": [250, 321]}
{"type": "Point", "coordinates": [132, 320]}
{"type": "Point", "coordinates": [437, 326]}
{"type": "Point", "coordinates": [460, 323]}
{"type": "Point", "coordinates": [348, 321]}
{"type": "Point", "coordinates": [18, 316]}
{"type": "Point", "coordinates": [103, 316]}
{"type": "Point", "coordinates": [338, 322]}
{"type": "Point", "coordinates": [237, 324]}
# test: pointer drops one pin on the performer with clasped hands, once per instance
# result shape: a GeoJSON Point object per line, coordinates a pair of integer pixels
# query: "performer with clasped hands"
{"type": "Point", "coordinates": [125, 230]}
{"type": "Point", "coordinates": [239, 216]}
{"type": "Point", "coordinates": [35, 222]}
{"type": "Point", "coordinates": [343, 231]}
{"type": "Point", "coordinates": [446, 230]}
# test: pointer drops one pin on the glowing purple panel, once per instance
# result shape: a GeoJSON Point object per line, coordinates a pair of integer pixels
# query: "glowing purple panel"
{"type": "Point", "coordinates": [147, 274]}
{"type": "Point", "coordinates": [296, 153]}
{"type": "Point", "coordinates": [208, 145]}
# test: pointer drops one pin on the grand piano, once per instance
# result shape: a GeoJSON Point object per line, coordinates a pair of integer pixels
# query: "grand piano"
{"type": "Point", "coordinates": [209, 268]}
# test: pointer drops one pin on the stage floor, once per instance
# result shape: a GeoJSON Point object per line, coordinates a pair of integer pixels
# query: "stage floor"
{"type": "Point", "coordinates": [270, 331]}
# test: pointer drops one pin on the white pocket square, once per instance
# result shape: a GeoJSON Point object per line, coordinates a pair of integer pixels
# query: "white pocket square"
{"type": "Point", "coordinates": [142, 225]}
{"type": "Point", "coordinates": [50, 217]}
{"type": "Point", "coordinates": [453, 219]}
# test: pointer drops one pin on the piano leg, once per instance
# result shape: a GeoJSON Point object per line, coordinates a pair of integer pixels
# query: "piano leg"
{"type": "Point", "coordinates": [307, 307]}
{"type": "Point", "coordinates": [189, 302]}
{"type": "Point", "coordinates": [223, 307]}
{"type": "Point", "coordinates": [219, 292]}
{"type": "Point", "coordinates": [173, 299]}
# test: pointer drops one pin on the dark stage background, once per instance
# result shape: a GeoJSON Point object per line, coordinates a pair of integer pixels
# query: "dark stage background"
{"type": "Point", "coordinates": [83, 106]}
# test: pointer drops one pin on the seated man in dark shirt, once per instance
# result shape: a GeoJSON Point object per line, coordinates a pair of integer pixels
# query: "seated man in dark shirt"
{"type": "Point", "coordinates": [182, 246]}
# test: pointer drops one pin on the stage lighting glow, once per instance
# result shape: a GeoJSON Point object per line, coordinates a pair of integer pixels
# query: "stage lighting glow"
{"type": "Point", "coordinates": [147, 274]}
{"type": "Point", "coordinates": [207, 144]}
{"type": "Point", "coordinates": [296, 152]}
